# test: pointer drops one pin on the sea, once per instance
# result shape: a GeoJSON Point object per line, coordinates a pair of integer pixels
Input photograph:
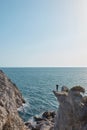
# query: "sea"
{"type": "Point", "coordinates": [37, 84]}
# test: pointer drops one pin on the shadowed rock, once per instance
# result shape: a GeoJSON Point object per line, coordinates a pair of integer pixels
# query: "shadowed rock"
{"type": "Point", "coordinates": [64, 88]}
{"type": "Point", "coordinates": [48, 114]}
{"type": "Point", "coordinates": [78, 89]}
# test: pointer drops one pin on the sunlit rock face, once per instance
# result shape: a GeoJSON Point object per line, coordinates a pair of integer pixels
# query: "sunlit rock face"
{"type": "Point", "coordinates": [72, 111]}
{"type": "Point", "coordinates": [10, 100]}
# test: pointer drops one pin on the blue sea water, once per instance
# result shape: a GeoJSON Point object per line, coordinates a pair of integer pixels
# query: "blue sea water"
{"type": "Point", "coordinates": [37, 84]}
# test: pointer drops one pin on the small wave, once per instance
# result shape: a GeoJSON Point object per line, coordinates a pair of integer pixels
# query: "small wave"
{"type": "Point", "coordinates": [24, 106]}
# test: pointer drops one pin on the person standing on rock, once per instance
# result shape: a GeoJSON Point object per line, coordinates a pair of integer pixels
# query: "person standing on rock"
{"type": "Point", "coordinates": [57, 86]}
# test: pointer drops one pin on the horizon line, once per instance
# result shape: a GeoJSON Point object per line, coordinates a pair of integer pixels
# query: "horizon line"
{"type": "Point", "coordinates": [43, 67]}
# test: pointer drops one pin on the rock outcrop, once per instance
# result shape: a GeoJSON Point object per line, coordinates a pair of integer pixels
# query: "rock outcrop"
{"type": "Point", "coordinates": [45, 122]}
{"type": "Point", "coordinates": [72, 111]}
{"type": "Point", "coordinates": [10, 100]}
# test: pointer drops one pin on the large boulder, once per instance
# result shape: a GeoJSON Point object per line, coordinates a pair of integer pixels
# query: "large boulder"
{"type": "Point", "coordinates": [72, 111]}
{"type": "Point", "coordinates": [10, 100]}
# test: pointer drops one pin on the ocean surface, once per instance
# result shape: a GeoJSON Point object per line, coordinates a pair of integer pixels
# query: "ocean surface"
{"type": "Point", "coordinates": [37, 84]}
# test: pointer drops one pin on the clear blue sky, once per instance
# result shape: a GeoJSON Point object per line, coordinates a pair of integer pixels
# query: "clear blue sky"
{"type": "Point", "coordinates": [43, 33]}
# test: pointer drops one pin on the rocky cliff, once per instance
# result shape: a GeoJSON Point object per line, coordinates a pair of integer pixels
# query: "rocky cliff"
{"type": "Point", "coordinates": [71, 114]}
{"type": "Point", "coordinates": [72, 111]}
{"type": "Point", "coordinates": [10, 100]}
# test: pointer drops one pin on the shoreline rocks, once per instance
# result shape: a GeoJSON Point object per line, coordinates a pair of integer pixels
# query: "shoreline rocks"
{"type": "Point", "coordinates": [45, 122]}
{"type": "Point", "coordinates": [10, 100]}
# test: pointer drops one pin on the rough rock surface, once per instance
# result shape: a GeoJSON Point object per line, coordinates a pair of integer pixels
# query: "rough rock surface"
{"type": "Point", "coordinates": [10, 100]}
{"type": "Point", "coordinates": [46, 122]}
{"type": "Point", "coordinates": [72, 111]}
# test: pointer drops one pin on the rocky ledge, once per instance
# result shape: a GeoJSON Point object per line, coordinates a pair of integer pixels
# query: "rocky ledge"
{"type": "Point", "coordinates": [72, 111]}
{"type": "Point", "coordinates": [10, 100]}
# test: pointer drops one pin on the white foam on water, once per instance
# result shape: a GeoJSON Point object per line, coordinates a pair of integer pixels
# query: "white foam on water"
{"type": "Point", "coordinates": [24, 106]}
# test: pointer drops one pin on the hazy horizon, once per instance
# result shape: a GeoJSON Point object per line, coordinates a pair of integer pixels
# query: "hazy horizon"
{"type": "Point", "coordinates": [43, 67]}
{"type": "Point", "coordinates": [49, 33]}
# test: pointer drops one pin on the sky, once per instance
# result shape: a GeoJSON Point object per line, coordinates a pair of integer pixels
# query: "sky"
{"type": "Point", "coordinates": [43, 33]}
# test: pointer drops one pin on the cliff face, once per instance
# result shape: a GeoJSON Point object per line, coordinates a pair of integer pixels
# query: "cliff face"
{"type": "Point", "coordinates": [10, 100]}
{"type": "Point", "coordinates": [72, 111]}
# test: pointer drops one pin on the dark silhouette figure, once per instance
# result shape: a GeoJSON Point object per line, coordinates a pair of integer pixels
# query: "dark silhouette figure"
{"type": "Point", "coordinates": [57, 87]}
